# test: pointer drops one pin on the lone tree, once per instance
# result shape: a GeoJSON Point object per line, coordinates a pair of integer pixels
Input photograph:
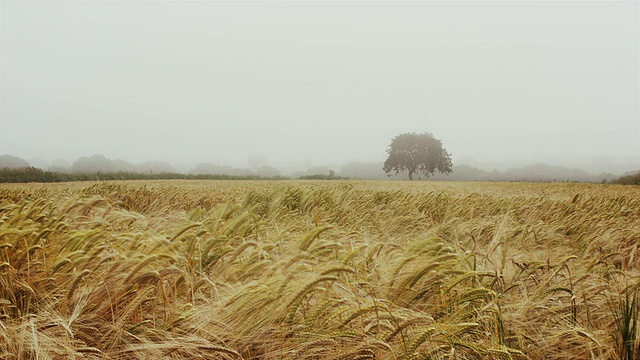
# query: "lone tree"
{"type": "Point", "coordinates": [417, 153]}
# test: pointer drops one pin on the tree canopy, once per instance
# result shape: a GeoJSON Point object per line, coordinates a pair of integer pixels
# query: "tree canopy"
{"type": "Point", "coordinates": [13, 162]}
{"type": "Point", "coordinates": [417, 153]}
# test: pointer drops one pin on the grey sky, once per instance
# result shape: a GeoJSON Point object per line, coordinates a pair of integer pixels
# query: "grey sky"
{"type": "Point", "coordinates": [328, 81]}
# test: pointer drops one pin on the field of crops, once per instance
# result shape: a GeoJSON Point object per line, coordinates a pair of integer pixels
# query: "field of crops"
{"type": "Point", "coordinates": [319, 270]}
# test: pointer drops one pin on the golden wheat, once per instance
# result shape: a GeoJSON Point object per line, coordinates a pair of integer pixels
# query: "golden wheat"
{"type": "Point", "coordinates": [310, 270]}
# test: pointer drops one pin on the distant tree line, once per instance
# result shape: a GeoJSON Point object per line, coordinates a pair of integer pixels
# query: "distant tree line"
{"type": "Point", "coordinates": [32, 174]}
{"type": "Point", "coordinates": [100, 164]}
{"type": "Point", "coordinates": [97, 167]}
{"type": "Point", "coordinates": [535, 173]}
{"type": "Point", "coordinates": [315, 175]}
{"type": "Point", "coordinates": [209, 168]}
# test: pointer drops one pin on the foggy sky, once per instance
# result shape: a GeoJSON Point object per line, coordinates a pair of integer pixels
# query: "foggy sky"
{"type": "Point", "coordinates": [319, 82]}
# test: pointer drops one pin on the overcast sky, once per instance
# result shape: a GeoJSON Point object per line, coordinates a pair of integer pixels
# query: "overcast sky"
{"type": "Point", "coordinates": [319, 82]}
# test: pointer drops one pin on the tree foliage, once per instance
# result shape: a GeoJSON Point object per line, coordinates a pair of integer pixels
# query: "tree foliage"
{"type": "Point", "coordinates": [92, 164]}
{"type": "Point", "coordinates": [417, 153]}
{"type": "Point", "coordinates": [13, 162]}
{"type": "Point", "coordinates": [268, 171]}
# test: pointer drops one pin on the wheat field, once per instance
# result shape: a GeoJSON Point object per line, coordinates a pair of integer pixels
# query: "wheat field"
{"type": "Point", "coordinates": [319, 270]}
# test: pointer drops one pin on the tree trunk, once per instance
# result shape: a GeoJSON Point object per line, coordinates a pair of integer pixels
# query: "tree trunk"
{"type": "Point", "coordinates": [411, 175]}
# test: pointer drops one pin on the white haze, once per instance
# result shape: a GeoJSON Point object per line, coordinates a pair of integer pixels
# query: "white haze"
{"type": "Point", "coordinates": [315, 83]}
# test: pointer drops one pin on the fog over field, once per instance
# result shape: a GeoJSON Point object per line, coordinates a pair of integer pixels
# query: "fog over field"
{"type": "Point", "coordinates": [321, 83]}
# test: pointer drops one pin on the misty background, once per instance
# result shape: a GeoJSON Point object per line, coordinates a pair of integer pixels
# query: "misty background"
{"type": "Point", "coordinates": [301, 85]}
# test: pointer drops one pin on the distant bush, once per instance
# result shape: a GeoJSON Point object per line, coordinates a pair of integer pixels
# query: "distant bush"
{"type": "Point", "coordinates": [631, 179]}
